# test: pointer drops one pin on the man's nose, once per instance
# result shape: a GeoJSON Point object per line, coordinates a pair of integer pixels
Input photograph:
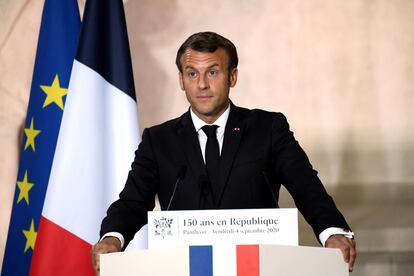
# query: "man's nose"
{"type": "Point", "coordinates": [203, 82]}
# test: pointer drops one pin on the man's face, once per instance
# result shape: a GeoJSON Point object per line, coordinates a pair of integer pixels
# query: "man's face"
{"type": "Point", "coordinates": [206, 82]}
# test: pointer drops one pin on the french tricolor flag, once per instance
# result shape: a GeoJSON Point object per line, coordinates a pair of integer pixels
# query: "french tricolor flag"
{"type": "Point", "coordinates": [98, 136]}
{"type": "Point", "coordinates": [217, 261]}
{"type": "Point", "coordinates": [240, 260]}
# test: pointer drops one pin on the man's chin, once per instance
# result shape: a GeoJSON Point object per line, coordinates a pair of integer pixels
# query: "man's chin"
{"type": "Point", "coordinates": [204, 109]}
{"type": "Point", "coordinates": [206, 113]}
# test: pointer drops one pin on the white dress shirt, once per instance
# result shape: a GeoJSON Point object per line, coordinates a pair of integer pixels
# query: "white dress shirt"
{"type": "Point", "coordinates": [202, 137]}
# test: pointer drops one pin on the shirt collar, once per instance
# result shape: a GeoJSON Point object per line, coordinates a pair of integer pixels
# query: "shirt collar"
{"type": "Point", "coordinates": [220, 122]}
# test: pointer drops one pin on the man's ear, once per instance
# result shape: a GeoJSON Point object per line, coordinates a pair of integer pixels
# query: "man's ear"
{"type": "Point", "coordinates": [180, 79]}
{"type": "Point", "coordinates": [233, 77]}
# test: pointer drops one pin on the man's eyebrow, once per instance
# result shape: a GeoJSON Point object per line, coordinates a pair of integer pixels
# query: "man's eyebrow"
{"type": "Point", "coordinates": [208, 67]}
{"type": "Point", "coordinates": [189, 67]}
{"type": "Point", "coordinates": [214, 65]}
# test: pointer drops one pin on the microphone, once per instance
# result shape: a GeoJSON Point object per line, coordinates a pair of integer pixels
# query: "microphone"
{"type": "Point", "coordinates": [270, 188]}
{"type": "Point", "coordinates": [180, 175]}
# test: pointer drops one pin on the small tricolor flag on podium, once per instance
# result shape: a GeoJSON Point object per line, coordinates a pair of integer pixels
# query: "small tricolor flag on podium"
{"type": "Point", "coordinates": [247, 261]}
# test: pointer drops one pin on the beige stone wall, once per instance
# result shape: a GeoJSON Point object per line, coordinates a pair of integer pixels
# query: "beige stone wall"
{"type": "Point", "coordinates": [342, 72]}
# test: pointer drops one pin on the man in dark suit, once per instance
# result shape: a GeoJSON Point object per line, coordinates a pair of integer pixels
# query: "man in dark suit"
{"type": "Point", "coordinates": [223, 156]}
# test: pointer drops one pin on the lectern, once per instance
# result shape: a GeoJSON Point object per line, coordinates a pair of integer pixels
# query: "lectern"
{"type": "Point", "coordinates": [251, 242]}
{"type": "Point", "coordinates": [251, 260]}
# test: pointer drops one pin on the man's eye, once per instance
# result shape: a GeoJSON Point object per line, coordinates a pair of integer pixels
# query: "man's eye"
{"type": "Point", "coordinates": [212, 73]}
{"type": "Point", "coordinates": [191, 74]}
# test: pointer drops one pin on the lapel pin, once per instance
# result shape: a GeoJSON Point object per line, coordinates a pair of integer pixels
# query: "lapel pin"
{"type": "Point", "coordinates": [236, 129]}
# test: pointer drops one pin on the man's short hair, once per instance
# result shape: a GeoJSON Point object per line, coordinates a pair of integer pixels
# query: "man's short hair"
{"type": "Point", "coordinates": [208, 42]}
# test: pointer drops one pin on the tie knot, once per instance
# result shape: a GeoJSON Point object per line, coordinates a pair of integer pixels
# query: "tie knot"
{"type": "Point", "coordinates": [210, 131]}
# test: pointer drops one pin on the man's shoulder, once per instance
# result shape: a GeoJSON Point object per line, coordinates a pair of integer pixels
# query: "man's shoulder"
{"type": "Point", "coordinates": [168, 125]}
{"type": "Point", "coordinates": [242, 113]}
{"type": "Point", "coordinates": [259, 114]}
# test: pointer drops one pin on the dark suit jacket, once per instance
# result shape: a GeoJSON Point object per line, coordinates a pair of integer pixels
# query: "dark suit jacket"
{"type": "Point", "coordinates": [259, 154]}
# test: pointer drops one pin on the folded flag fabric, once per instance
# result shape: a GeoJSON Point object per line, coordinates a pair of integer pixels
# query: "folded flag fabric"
{"type": "Point", "coordinates": [96, 144]}
{"type": "Point", "coordinates": [97, 138]}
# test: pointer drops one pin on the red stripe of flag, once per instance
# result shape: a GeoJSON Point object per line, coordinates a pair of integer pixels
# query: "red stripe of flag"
{"type": "Point", "coordinates": [59, 250]}
{"type": "Point", "coordinates": [248, 260]}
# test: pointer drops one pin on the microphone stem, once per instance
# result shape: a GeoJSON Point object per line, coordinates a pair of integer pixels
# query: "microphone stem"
{"type": "Point", "coordinates": [173, 194]}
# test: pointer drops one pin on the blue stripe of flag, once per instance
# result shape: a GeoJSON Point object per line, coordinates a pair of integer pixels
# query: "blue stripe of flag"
{"type": "Point", "coordinates": [104, 46]}
{"type": "Point", "coordinates": [201, 260]}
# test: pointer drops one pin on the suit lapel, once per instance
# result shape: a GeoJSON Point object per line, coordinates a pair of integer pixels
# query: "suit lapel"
{"type": "Point", "coordinates": [232, 136]}
{"type": "Point", "coordinates": [188, 140]}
